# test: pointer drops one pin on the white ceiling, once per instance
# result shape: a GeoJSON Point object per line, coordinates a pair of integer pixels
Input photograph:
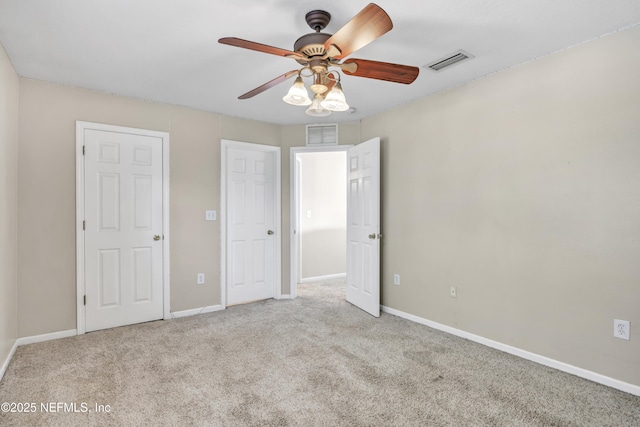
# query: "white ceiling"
{"type": "Point", "coordinates": [167, 50]}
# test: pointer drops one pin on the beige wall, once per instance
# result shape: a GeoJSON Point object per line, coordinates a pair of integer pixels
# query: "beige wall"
{"type": "Point", "coordinates": [522, 189]}
{"type": "Point", "coordinates": [48, 112]}
{"type": "Point", "coordinates": [9, 101]}
{"type": "Point", "coordinates": [195, 187]}
{"type": "Point", "coordinates": [46, 195]}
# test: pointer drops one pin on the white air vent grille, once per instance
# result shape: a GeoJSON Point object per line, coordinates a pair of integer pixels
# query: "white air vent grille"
{"type": "Point", "coordinates": [449, 60]}
{"type": "Point", "coordinates": [322, 135]}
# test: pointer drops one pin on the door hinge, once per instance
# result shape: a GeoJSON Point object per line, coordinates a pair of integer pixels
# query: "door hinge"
{"type": "Point", "coordinates": [85, 300]}
{"type": "Point", "coordinates": [84, 225]}
{"type": "Point", "coordinates": [83, 150]}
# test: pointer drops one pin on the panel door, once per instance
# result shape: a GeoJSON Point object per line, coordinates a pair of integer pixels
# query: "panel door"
{"type": "Point", "coordinates": [251, 244]}
{"type": "Point", "coordinates": [363, 226]}
{"type": "Point", "coordinates": [123, 230]}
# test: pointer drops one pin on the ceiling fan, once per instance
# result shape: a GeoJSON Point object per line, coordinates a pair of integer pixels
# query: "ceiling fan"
{"type": "Point", "coordinates": [318, 51]}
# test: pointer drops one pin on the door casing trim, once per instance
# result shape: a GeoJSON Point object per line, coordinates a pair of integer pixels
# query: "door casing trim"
{"type": "Point", "coordinates": [81, 126]}
{"type": "Point", "coordinates": [224, 145]}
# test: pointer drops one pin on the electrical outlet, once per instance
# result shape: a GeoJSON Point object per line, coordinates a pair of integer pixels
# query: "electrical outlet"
{"type": "Point", "coordinates": [396, 279]}
{"type": "Point", "coordinates": [621, 329]}
{"type": "Point", "coordinates": [453, 293]}
{"type": "Point", "coordinates": [200, 278]}
{"type": "Point", "coordinates": [210, 215]}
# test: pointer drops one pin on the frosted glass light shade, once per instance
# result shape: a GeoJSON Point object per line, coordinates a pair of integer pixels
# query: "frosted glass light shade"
{"type": "Point", "coordinates": [316, 109]}
{"type": "Point", "coordinates": [297, 94]}
{"type": "Point", "coordinates": [335, 100]}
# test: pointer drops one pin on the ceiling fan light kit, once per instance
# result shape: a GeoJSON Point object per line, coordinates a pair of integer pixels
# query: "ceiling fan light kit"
{"type": "Point", "coordinates": [316, 109]}
{"type": "Point", "coordinates": [297, 94]}
{"type": "Point", "coordinates": [335, 100]}
{"type": "Point", "coordinates": [318, 51]}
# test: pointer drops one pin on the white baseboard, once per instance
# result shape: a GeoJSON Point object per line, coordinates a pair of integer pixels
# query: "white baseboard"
{"type": "Point", "coordinates": [5, 364]}
{"type": "Point", "coordinates": [47, 337]}
{"type": "Point", "coordinates": [321, 278]}
{"type": "Point", "coordinates": [285, 296]}
{"type": "Point", "coordinates": [195, 311]}
{"type": "Point", "coordinates": [543, 360]}
{"type": "Point", "coordinates": [32, 340]}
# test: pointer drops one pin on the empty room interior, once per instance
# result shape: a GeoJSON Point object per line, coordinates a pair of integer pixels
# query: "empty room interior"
{"type": "Point", "coordinates": [431, 216]}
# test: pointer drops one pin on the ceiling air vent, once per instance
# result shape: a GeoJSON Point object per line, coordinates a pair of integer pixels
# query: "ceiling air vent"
{"type": "Point", "coordinates": [318, 135]}
{"type": "Point", "coordinates": [449, 60]}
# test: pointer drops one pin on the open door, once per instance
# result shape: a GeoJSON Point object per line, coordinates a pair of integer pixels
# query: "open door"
{"type": "Point", "coordinates": [363, 227]}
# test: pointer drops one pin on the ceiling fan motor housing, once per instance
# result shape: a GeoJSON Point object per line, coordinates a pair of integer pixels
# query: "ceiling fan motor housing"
{"type": "Point", "coordinates": [311, 44]}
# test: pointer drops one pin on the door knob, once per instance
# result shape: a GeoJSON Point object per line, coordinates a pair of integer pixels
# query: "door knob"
{"type": "Point", "coordinates": [270, 232]}
{"type": "Point", "coordinates": [156, 237]}
{"type": "Point", "coordinates": [372, 236]}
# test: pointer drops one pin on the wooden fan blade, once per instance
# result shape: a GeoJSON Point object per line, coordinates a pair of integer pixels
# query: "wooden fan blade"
{"type": "Point", "coordinates": [380, 70]}
{"type": "Point", "coordinates": [246, 44]}
{"type": "Point", "coordinates": [268, 85]}
{"type": "Point", "coordinates": [365, 27]}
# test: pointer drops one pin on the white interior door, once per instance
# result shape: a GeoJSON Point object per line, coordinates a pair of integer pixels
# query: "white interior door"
{"type": "Point", "coordinates": [363, 226]}
{"type": "Point", "coordinates": [123, 205]}
{"type": "Point", "coordinates": [251, 224]}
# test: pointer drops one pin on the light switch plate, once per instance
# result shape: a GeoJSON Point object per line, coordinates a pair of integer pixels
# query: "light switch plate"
{"type": "Point", "coordinates": [210, 215]}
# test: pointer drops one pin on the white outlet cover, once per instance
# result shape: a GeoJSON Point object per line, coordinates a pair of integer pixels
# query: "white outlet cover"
{"type": "Point", "coordinates": [200, 278]}
{"type": "Point", "coordinates": [621, 329]}
{"type": "Point", "coordinates": [210, 215]}
{"type": "Point", "coordinates": [396, 279]}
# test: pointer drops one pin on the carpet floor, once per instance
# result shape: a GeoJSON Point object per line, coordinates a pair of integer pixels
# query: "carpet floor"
{"type": "Point", "coordinates": [313, 361]}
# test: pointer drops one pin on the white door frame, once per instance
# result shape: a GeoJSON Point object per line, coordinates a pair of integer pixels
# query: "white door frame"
{"type": "Point", "coordinates": [80, 214]}
{"type": "Point", "coordinates": [294, 205]}
{"type": "Point", "coordinates": [225, 144]}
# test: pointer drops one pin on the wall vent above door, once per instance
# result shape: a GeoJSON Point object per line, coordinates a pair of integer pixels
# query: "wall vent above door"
{"type": "Point", "coordinates": [318, 135]}
{"type": "Point", "coordinates": [449, 60]}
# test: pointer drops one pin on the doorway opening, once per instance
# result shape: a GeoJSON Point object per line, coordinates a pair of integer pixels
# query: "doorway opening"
{"type": "Point", "coordinates": [318, 215]}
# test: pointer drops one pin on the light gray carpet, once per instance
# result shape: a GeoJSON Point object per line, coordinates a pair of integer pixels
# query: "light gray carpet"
{"type": "Point", "coordinates": [314, 361]}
